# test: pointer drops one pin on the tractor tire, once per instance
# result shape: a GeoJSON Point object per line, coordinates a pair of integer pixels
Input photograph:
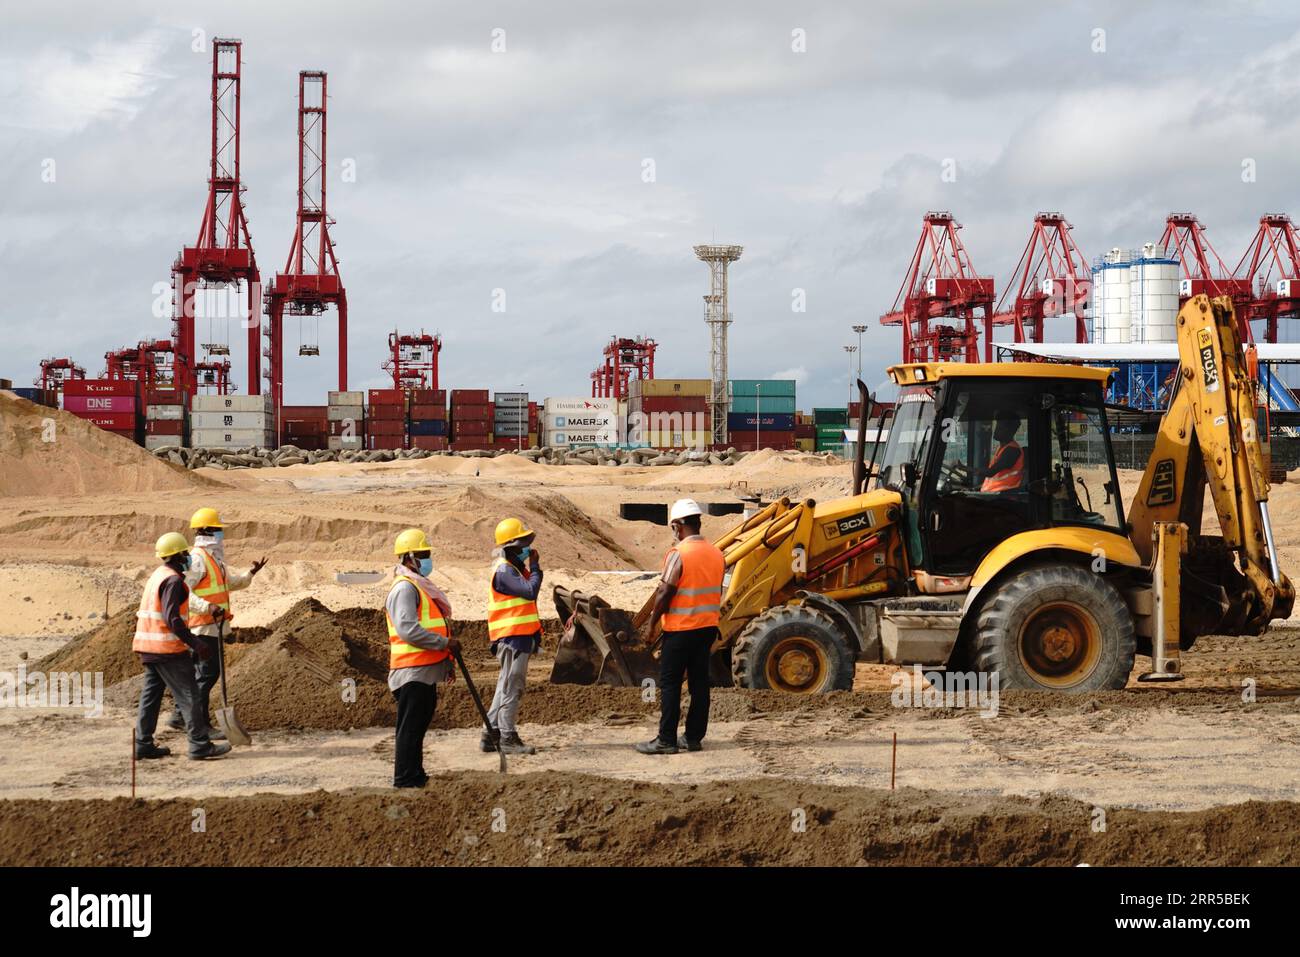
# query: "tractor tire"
{"type": "Point", "coordinates": [1055, 628]}
{"type": "Point", "coordinates": [793, 648]}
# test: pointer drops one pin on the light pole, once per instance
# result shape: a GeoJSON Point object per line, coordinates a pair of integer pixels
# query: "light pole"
{"type": "Point", "coordinates": [850, 350]}
{"type": "Point", "coordinates": [859, 330]}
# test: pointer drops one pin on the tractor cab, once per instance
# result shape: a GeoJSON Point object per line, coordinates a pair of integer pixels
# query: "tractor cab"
{"type": "Point", "coordinates": [980, 452]}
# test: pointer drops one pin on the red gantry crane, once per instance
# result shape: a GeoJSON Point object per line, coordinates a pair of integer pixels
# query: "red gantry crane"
{"type": "Point", "coordinates": [623, 357]}
{"type": "Point", "coordinates": [1203, 271]}
{"type": "Point", "coordinates": [223, 252]}
{"type": "Point", "coordinates": [55, 372]}
{"type": "Point", "coordinates": [941, 284]}
{"type": "Point", "coordinates": [413, 360]}
{"type": "Point", "coordinates": [1053, 280]}
{"type": "Point", "coordinates": [1271, 269]}
{"type": "Point", "coordinates": [310, 280]}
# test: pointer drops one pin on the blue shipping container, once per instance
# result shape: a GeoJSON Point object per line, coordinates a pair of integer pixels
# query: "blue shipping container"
{"type": "Point", "coordinates": [428, 427]}
{"type": "Point", "coordinates": [777, 421]}
{"type": "Point", "coordinates": [749, 404]}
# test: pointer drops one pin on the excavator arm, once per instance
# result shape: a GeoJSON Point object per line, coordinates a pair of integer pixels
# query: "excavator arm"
{"type": "Point", "coordinates": [1230, 583]}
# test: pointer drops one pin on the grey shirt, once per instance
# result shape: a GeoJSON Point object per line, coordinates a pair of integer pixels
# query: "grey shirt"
{"type": "Point", "coordinates": [403, 606]}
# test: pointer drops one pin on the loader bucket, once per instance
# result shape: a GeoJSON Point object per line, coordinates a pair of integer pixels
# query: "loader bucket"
{"type": "Point", "coordinates": [599, 645]}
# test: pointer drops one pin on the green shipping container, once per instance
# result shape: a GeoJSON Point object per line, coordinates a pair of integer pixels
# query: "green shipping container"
{"type": "Point", "coordinates": [779, 404]}
{"type": "Point", "coordinates": [763, 387]}
{"type": "Point", "coordinates": [831, 416]}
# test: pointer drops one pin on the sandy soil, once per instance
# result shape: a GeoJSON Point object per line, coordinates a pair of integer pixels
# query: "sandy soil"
{"type": "Point", "coordinates": [74, 551]}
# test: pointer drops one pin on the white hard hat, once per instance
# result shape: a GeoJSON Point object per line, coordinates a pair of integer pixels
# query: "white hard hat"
{"type": "Point", "coordinates": [683, 508]}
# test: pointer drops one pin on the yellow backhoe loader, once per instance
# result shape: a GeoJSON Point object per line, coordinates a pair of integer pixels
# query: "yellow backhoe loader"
{"type": "Point", "coordinates": [993, 538]}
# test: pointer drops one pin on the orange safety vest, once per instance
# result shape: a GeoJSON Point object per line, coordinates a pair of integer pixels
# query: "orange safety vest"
{"type": "Point", "coordinates": [509, 616]}
{"type": "Point", "coordinates": [697, 603]}
{"type": "Point", "coordinates": [211, 588]}
{"type": "Point", "coordinates": [152, 635]}
{"type": "Point", "coordinates": [1008, 479]}
{"type": "Point", "coordinates": [402, 655]}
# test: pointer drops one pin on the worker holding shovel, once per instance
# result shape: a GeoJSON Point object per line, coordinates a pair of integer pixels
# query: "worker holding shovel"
{"type": "Point", "coordinates": [210, 582]}
{"type": "Point", "coordinates": [514, 630]}
{"type": "Point", "coordinates": [420, 652]}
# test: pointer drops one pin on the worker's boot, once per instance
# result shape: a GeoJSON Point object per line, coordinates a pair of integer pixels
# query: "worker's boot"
{"type": "Point", "coordinates": [151, 750]}
{"type": "Point", "coordinates": [510, 744]}
{"type": "Point", "coordinates": [211, 751]}
{"type": "Point", "coordinates": [487, 743]}
{"type": "Point", "coordinates": [686, 744]}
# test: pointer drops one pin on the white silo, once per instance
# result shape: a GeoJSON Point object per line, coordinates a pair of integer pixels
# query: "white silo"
{"type": "Point", "coordinates": [1135, 296]}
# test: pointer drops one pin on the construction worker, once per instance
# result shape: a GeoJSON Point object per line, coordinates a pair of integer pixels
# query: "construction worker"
{"type": "Point", "coordinates": [687, 602]}
{"type": "Point", "coordinates": [420, 650]}
{"type": "Point", "coordinates": [163, 641]}
{"type": "Point", "coordinates": [210, 583]}
{"type": "Point", "coordinates": [1006, 468]}
{"type": "Point", "coordinates": [514, 630]}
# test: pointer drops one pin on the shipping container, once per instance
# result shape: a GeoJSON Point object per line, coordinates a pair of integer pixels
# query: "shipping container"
{"type": "Point", "coordinates": [427, 427]}
{"type": "Point", "coordinates": [154, 441]}
{"type": "Point", "coordinates": [231, 403]}
{"type": "Point", "coordinates": [428, 411]}
{"type": "Point", "coordinates": [174, 427]}
{"type": "Point", "coordinates": [669, 387]}
{"type": "Point", "coordinates": [83, 405]}
{"type": "Point", "coordinates": [469, 397]}
{"type": "Point", "coordinates": [434, 443]}
{"type": "Point", "coordinates": [231, 438]}
{"type": "Point", "coordinates": [470, 444]}
{"type": "Point", "coordinates": [341, 413]}
{"type": "Point", "coordinates": [166, 397]}
{"type": "Point", "coordinates": [805, 445]}
{"type": "Point", "coordinates": [762, 387]}
{"type": "Point", "coordinates": [429, 397]}
{"type": "Point", "coordinates": [748, 442]}
{"type": "Point", "coordinates": [347, 398]}
{"type": "Point", "coordinates": [830, 416]}
{"type": "Point", "coordinates": [304, 412]}
{"type": "Point", "coordinates": [563, 405]}
{"type": "Point", "coordinates": [342, 442]}
{"type": "Point", "coordinates": [472, 410]}
{"type": "Point", "coordinates": [805, 431]}
{"type": "Point", "coordinates": [510, 399]}
{"type": "Point", "coordinates": [776, 421]}
{"type": "Point", "coordinates": [46, 397]}
{"type": "Point", "coordinates": [261, 421]}
{"type": "Point", "coordinates": [386, 427]}
{"type": "Point", "coordinates": [391, 413]}
{"type": "Point", "coordinates": [100, 387]}
{"type": "Point", "coordinates": [395, 397]}
{"type": "Point", "coordinates": [751, 404]}
{"type": "Point", "coordinates": [110, 421]}
{"type": "Point", "coordinates": [347, 427]}
{"type": "Point", "coordinates": [385, 441]}
{"type": "Point", "coordinates": [157, 412]}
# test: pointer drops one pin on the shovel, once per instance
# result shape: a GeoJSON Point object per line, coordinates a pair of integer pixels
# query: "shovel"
{"type": "Point", "coordinates": [478, 702]}
{"type": "Point", "coordinates": [226, 719]}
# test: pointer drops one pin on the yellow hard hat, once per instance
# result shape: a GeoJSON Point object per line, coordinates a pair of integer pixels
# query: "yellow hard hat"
{"type": "Point", "coordinates": [206, 518]}
{"type": "Point", "coordinates": [173, 543]}
{"type": "Point", "coordinates": [411, 540]}
{"type": "Point", "coordinates": [511, 529]}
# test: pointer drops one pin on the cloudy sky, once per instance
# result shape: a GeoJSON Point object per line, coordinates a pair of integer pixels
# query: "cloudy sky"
{"type": "Point", "coordinates": [814, 134]}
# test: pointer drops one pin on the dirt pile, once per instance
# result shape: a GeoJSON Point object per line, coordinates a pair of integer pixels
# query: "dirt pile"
{"type": "Point", "coordinates": [574, 819]}
{"type": "Point", "coordinates": [50, 452]}
{"type": "Point", "coordinates": [107, 649]}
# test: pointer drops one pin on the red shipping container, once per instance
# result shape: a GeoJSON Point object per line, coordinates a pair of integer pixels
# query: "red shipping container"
{"type": "Point", "coordinates": [744, 441]}
{"type": "Point", "coordinates": [390, 412]}
{"type": "Point", "coordinates": [386, 442]}
{"type": "Point", "coordinates": [164, 427]}
{"type": "Point", "coordinates": [111, 421]}
{"type": "Point", "coordinates": [472, 410]}
{"type": "Point", "coordinates": [98, 404]}
{"type": "Point", "coordinates": [472, 422]}
{"type": "Point", "coordinates": [304, 412]}
{"type": "Point", "coordinates": [465, 431]}
{"type": "Point", "coordinates": [358, 427]}
{"type": "Point", "coordinates": [805, 431]}
{"type": "Point", "coordinates": [668, 403]}
{"type": "Point", "coordinates": [429, 397]}
{"type": "Point", "coordinates": [386, 427]}
{"type": "Point", "coordinates": [100, 387]}
{"type": "Point", "coordinates": [434, 443]}
{"type": "Point", "coordinates": [425, 413]}
{"type": "Point", "coordinates": [469, 396]}
{"type": "Point", "coordinates": [469, 445]}
{"type": "Point", "coordinates": [388, 397]}
{"type": "Point", "coordinates": [167, 397]}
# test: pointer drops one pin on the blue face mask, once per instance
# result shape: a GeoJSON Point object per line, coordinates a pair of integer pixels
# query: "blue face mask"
{"type": "Point", "coordinates": [525, 552]}
{"type": "Point", "coordinates": [426, 566]}
{"type": "Point", "coordinates": [219, 535]}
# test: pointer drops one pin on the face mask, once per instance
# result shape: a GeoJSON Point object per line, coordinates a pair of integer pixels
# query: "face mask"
{"type": "Point", "coordinates": [219, 535]}
{"type": "Point", "coordinates": [524, 552]}
{"type": "Point", "coordinates": [426, 566]}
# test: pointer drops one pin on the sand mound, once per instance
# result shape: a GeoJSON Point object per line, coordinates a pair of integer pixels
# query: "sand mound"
{"type": "Point", "coordinates": [50, 452]}
{"type": "Point", "coordinates": [575, 819]}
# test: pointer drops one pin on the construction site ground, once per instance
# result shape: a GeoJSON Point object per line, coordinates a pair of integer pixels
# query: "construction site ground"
{"type": "Point", "coordinates": [1196, 772]}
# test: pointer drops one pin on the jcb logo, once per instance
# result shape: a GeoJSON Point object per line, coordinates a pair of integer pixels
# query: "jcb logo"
{"type": "Point", "coordinates": [1209, 367]}
{"type": "Point", "coordinates": [1163, 484]}
{"type": "Point", "coordinates": [850, 525]}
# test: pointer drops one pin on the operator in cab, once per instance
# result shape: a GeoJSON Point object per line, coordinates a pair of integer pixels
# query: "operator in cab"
{"type": "Point", "coordinates": [1006, 469]}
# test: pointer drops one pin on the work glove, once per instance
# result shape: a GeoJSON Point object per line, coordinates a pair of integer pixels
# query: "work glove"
{"type": "Point", "coordinates": [218, 614]}
{"type": "Point", "coordinates": [453, 645]}
{"type": "Point", "coordinates": [257, 567]}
